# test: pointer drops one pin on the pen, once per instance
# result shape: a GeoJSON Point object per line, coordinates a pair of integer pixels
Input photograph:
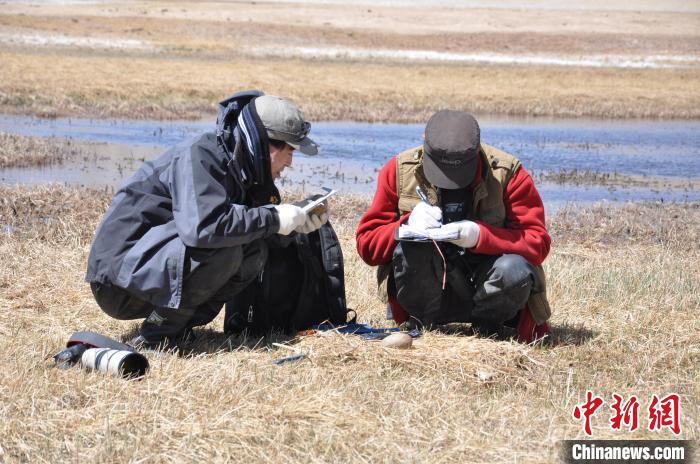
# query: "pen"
{"type": "Point", "coordinates": [422, 194]}
{"type": "Point", "coordinates": [424, 197]}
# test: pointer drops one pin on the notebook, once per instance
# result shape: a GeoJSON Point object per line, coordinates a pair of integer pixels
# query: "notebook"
{"type": "Point", "coordinates": [406, 232]}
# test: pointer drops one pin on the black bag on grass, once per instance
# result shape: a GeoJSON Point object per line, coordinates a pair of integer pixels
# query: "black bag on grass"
{"type": "Point", "coordinates": [302, 284]}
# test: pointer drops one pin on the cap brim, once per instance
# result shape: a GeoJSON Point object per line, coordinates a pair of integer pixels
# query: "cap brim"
{"type": "Point", "coordinates": [450, 177]}
{"type": "Point", "coordinates": [306, 146]}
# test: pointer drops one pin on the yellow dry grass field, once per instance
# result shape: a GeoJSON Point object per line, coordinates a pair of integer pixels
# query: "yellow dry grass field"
{"type": "Point", "coordinates": [175, 59]}
{"type": "Point", "coordinates": [624, 285]}
{"type": "Point", "coordinates": [163, 88]}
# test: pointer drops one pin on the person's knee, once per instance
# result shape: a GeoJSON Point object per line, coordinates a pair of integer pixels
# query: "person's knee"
{"type": "Point", "coordinates": [220, 259]}
{"type": "Point", "coordinates": [505, 288]}
{"type": "Point", "coordinates": [513, 268]}
{"type": "Point", "coordinates": [118, 304]}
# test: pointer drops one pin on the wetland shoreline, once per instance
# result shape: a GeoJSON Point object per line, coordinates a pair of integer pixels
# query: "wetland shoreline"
{"type": "Point", "coordinates": [571, 161]}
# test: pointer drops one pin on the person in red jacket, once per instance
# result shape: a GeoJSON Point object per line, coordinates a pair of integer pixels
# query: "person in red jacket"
{"type": "Point", "coordinates": [490, 272]}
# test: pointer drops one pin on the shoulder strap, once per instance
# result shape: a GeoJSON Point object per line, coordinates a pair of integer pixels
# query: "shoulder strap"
{"type": "Point", "coordinates": [322, 295]}
{"type": "Point", "coordinates": [332, 257]}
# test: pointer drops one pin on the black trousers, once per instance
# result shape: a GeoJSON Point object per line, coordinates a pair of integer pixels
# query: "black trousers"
{"type": "Point", "coordinates": [212, 277]}
{"type": "Point", "coordinates": [478, 288]}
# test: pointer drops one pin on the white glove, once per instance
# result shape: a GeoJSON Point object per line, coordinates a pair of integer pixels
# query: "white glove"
{"type": "Point", "coordinates": [425, 217]}
{"type": "Point", "coordinates": [468, 233]}
{"type": "Point", "coordinates": [313, 222]}
{"type": "Point", "coordinates": [290, 217]}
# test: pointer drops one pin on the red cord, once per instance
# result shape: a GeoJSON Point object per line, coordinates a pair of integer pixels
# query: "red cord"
{"type": "Point", "coordinates": [444, 265]}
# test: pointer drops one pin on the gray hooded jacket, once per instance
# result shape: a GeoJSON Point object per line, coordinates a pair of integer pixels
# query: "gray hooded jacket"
{"type": "Point", "coordinates": [188, 197]}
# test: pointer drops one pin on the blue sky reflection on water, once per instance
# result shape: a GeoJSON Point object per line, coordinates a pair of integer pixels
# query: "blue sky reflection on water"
{"type": "Point", "coordinates": [353, 152]}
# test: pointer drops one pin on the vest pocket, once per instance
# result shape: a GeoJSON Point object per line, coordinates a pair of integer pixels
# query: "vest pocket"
{"type": "Point", "coordinates": [407, 203]}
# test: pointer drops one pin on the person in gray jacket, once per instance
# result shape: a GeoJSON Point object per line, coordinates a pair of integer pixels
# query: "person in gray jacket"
{"type": "Point", "coordinates": [190, 228]}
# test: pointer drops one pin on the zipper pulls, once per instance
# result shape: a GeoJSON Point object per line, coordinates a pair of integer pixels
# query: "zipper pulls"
{"type": "Point", "coordinates": [250, 308]}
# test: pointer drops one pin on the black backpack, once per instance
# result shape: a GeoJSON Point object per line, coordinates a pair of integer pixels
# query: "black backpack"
{"type": "Point", "coordinates": [302, 284]}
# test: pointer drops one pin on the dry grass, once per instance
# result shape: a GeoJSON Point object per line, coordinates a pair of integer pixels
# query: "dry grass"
{"type": "Point", "coordinates": [676, 226]}
{"type": "Point", "coordinates": [624, 284]}
{"type": "Point", "coordinates": [121, 85]}
{"type": "Point", "coordinates": [190, 34]}
{"type": "Point", "coordinates": [198, 53]}
{"type": "Point", "coordinates": [613, 179]}
{"type": "Point", "coordinates": [19, 151]}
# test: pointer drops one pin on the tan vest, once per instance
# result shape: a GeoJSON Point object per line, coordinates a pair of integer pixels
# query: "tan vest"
{"type": "Point", "coordinates": [487, 205]}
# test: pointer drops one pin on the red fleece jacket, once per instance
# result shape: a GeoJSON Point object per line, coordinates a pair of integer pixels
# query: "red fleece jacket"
{"type": "Point", "coordinates": [524, 235]}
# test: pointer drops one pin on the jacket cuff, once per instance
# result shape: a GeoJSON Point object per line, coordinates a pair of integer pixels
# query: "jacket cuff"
{"type": "Point", "coordinates": [273, 225]}
{"type": "Point", "coordinates": [483, 232]}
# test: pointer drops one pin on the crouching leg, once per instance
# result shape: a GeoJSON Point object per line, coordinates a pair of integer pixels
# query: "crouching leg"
{"type": "Point", "coordinates": [217, 275]}
{"type": "Point", "coordinates": [211, 277]}
{"type": "Point", "coordinates": [503, 286]}
{"type": "Point", "coordinates": [162, 326]}
{"type": "Point", "coordinates": [432, 290]}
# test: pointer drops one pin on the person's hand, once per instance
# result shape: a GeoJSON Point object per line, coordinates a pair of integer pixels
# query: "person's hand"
{"type": "Point", "coordinates": [468, 233]}
{"type": "Point", "coordinates": [425, 216]}
{"type": "Point", "coordinates": [290, 217]}
{"type": "Point", "coordinates": [313, 222]}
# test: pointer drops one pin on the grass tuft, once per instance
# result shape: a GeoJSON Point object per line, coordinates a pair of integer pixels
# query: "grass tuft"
{"type": "Point", "coordinates": [17, 151]}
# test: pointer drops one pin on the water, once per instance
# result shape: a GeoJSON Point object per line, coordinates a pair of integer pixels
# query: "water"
{"type": "Point", "coordinates": [352, 153]}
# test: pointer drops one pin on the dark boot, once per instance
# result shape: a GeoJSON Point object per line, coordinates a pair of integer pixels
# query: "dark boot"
{"type": "Point", "coordinates": [164, 328]}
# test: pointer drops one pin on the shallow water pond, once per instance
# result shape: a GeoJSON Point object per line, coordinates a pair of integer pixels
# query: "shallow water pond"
{"type": "Point", "coordinates": [352, 153]}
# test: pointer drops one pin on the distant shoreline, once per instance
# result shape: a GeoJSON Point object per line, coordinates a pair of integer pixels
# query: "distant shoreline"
{"type": "Point", "coordinates": [385, 62]}
{"type": "Point", "coordinates": [327, 114]}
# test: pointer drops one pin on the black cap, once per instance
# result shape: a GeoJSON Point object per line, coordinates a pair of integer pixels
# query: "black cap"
{"type": "Point", "coordinates": [451, 149]}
